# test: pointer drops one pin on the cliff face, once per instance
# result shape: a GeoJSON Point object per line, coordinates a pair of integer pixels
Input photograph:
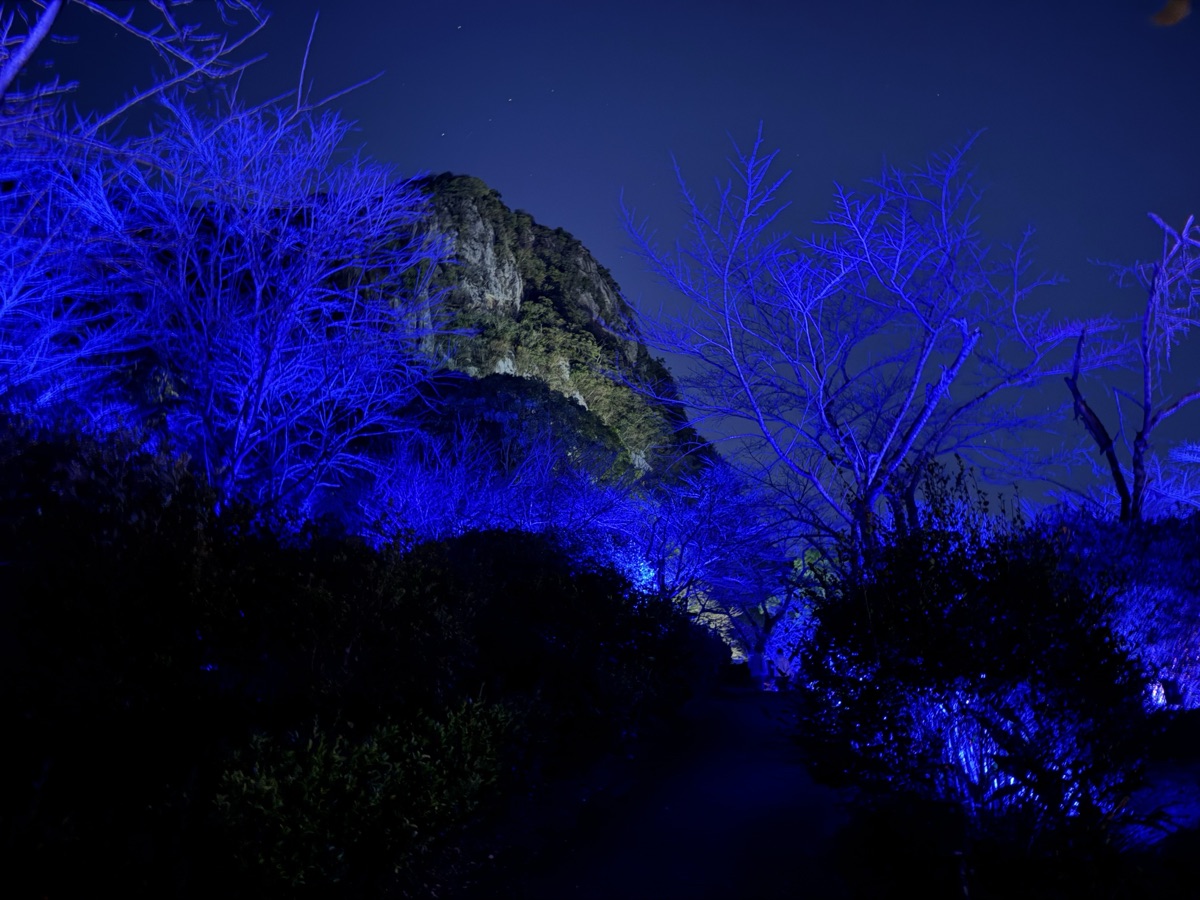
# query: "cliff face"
{"type": "Point", "coordinates": [532, 301]}
{"type": "Point", "coordinates": [486, 277]}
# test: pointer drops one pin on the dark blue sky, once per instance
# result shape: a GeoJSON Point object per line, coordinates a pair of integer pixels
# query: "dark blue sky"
{"type": "Point", "coordinates": [1092, 114]}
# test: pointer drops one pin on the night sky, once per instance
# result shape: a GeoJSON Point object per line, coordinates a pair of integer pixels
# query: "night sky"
{"type": "Point", "coordinates": [1092, 113]}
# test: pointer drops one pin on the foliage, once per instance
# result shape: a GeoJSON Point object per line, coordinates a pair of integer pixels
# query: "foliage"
{"type": "Point", "coordinates": [981, 674]}
{"type": "Point", "coordinates": [706, 541]}
{"type": "Point", "coordinates": [1152, 571]}
{"type": "Point", "coordinates": [509, 416]}
{"type": "Point", "coordinates": [321, 807]}
{"type": "Point", "coordinates": [571, 635]}
{"type": "Point", "coordinates": [102, 693]}
{"type": "Point", "coordinates": [239, 318]}
{"type": "Point", "coordinates": [694, 530]}
{"type": "Point", "coordinates": [498, 452]}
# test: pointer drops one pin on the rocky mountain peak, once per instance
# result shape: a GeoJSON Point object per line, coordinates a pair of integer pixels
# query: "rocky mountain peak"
{"type": "Point", "coordinates": [532, 301]}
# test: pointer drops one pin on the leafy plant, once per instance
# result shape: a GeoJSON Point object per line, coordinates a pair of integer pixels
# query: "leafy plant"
{"type": "Point", "coordinates": [325, 807]}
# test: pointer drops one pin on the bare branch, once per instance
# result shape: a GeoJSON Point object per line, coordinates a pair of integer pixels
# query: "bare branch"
{"type": "Point", "coordinates": [829, 365]}
{"type": "Point", "coordinates": [26, 47]}
{"type": "Point", "coordinates": [1172, 308]}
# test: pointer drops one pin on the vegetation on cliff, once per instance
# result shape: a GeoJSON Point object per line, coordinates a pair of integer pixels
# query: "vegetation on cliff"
{"type": "Point", "coordinates": [529, 300]}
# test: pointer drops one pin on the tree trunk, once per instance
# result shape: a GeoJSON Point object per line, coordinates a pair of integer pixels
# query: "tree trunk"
{"type": "Point", "coordinates": [1140, 478]}
{"type": "Point", "coordinates": [1099, 434]}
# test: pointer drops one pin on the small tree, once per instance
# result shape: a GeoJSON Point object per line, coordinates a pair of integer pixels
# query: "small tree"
{"type": "Point", "coordinates": [224, 274]}
{"type": "Point", "coordinates": [837, 367]}
{"type": "Point", "coordinates": [707, 542]}
{"type": "Point", "coordinates": [1172, 286]}
{"type": "Point", "coordinates": [691, 529]}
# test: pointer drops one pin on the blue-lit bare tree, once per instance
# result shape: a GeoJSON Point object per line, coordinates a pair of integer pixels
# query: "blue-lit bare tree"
{"type": "Point", "coordinates": [267, 302]}
{"type": "Point", "coordinates": [707, 544]}
{"type": "Point", "coordinates": [58, 333]}
{"type": "Point", "coordinates": [835, 368]}
{"type": "Point", "coordinates": [1172, 287]}
{"type": "Point", "coordinates": [438, 486]}
{"type": "Point", "coordinates": [283, 295]}
{"type": "Point", "coordinates": [183, 37]}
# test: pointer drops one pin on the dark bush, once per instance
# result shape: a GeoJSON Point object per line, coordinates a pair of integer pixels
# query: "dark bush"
{"type": "Point", "coordinates": [148, 632]}
{"type": "Point", "coordinates": [977, 672]}
{"type": "Point", "coordinates": [590, 655]}
{"type": "Point", "coordinates": [102, 694]}
{"type": "Point", "coordinates": [319, 808]}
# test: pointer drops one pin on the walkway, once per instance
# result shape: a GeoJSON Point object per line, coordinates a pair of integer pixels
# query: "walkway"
{"type": "Point", "coordinates": [722, 809]}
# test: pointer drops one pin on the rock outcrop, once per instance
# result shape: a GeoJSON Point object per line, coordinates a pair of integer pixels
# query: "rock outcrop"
{"type": "Point", "coordinates": [531, 301]}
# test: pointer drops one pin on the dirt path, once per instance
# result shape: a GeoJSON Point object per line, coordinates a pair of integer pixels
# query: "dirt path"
{"type": "Point", "coordinates": [721, 809]}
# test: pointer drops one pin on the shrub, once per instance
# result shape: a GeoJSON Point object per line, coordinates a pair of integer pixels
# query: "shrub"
{"type": "Point", "coordinates": [594, 657]}
{"type": "Point", "coordinates": [324, 807]}
{"type": "Point", "coordinates": [102, 695]}
{"type": "Point", "coordinates": [144, 634]}
{"type": "Point", "coordinates": [978, 674]}
{"type": "Point", "coordinates": [1154, 574]}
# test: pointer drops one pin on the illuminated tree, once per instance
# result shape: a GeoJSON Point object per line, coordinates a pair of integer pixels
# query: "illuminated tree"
{"type": "Point", "coordinates": [694, 531]}
{"type": "Point", "coordinates": [223, 275]}
{"type": "Point", "coordinates": [282, 295]}
{"type": "Point", "coordinates": [442, 484]}
{"type": "Point", "coordinates": [58, 333]}
{"type": "Point", "coordinates": [191, 51]}
{"type": "Point", "coordinates": [835, 368]}
{"type": "Point", "coordinates": [1172, 286]}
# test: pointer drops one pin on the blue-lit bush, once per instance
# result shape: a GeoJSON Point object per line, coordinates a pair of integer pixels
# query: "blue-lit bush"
{"type": "Point", "coordinates": [1153, 572]}
{"type": "Point", "coordinates": [501, 452]}
{"type": "Point", "coordinates": [981, 674]}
